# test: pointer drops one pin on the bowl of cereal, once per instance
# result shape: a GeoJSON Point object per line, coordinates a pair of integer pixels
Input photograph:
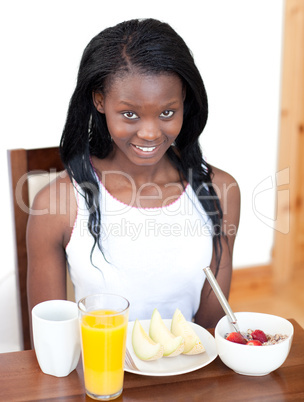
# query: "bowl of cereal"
{"type": "Point", "coordinates": [261, 347]}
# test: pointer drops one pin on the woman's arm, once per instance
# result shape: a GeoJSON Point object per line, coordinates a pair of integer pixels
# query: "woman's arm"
{"type": "Point", "coordinates": [210, 310]}
{"type": "Point", "coordinates": [48, 232]}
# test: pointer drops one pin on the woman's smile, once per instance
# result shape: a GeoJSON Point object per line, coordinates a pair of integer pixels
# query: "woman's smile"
{"type": "Point", "coordinates": [146, 151]}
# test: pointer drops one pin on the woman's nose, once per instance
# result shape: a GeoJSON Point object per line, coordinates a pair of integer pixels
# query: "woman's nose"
{"type": "Point", "coordinates": [149, 131]}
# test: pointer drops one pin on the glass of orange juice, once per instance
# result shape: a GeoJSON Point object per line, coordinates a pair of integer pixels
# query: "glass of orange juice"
{"type": "Point", "coordinates": [103, 325]}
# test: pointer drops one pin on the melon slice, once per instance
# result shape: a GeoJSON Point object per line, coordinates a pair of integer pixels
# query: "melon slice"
{"type": "Point", "coordinates": [173, 345]}
{"type": "Point", "coordinates": [180, 327]}
{"type": "Point", "coordinates": [144, 347]}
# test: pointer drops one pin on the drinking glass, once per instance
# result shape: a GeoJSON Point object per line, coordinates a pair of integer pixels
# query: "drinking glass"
{"type": "Point", "coordinates": [103, 326]}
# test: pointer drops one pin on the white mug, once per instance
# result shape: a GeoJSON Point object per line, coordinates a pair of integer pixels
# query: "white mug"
{"type": "Point", "coordinates": [56, 336]}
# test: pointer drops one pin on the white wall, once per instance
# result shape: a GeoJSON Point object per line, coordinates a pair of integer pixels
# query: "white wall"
{"type": "Point", "coordinates": [237, 46]}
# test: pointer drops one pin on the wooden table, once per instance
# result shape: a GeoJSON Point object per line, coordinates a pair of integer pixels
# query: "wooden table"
{"type": "Point", "coordinates": [22, 380]}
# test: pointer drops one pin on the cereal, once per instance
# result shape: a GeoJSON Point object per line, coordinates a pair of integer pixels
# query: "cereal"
{"type": "Point", "coordinates": [271, 339]}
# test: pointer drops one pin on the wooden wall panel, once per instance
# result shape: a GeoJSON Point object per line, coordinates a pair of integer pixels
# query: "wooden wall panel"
{"type": "Point", "coordinates": [289, 246]}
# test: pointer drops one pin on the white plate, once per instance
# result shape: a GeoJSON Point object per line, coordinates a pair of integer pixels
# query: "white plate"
{"type": "Point", "coordinates": [173, 365]}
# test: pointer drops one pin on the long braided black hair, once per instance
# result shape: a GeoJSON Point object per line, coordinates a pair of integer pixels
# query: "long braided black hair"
{"type": "Point", "coordinates": [151, 47]}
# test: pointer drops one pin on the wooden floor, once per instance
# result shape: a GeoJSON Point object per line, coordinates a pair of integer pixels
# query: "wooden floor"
{"type": "Point", "coordinates": [252, 289]}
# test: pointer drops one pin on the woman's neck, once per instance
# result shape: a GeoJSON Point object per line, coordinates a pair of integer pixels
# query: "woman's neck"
{"type": "Point", "coordinates": [161, 173]}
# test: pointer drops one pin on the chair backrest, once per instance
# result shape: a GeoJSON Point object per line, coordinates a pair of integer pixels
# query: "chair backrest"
{"type": "Point", "coordinates": [24, 164]}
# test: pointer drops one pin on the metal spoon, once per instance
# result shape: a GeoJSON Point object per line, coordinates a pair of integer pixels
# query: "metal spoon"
{"type": "Point", "coordinates": [221, 298]}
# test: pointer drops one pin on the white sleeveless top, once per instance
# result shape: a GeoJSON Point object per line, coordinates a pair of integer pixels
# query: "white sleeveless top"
{"type": "Point", "coordinates": [152, 256]}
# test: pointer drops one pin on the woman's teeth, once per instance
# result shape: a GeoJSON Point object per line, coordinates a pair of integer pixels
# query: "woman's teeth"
{"type": "Point", "coordinates": [145, 149]}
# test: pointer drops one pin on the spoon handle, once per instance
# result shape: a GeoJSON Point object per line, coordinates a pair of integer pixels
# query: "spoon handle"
{"type": "Point", "coordinates": [221, 297]}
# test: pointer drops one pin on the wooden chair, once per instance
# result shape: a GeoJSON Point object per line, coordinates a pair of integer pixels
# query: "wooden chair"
{"type": "Point", "coordinates": [24, 165]}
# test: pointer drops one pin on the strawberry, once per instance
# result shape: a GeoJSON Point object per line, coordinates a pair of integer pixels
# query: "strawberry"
{"type": "Point", "coordinates": [254, 342]}
{"type": "Point", "coordinates": [236, 337]}
{"type": "Point", "coordinates": [259, 336]}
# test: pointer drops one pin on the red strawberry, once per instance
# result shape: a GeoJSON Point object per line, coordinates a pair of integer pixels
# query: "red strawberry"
{"type": "Point", "coordinates": [236, 337]}
{"type": "Point", "coordinates": [254, 343]}
{"type": "Point", "coordinates": [259, 336]}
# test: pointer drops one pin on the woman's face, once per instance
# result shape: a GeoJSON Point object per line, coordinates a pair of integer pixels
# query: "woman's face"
{"type": "Point", "coordinates": [144, 114]}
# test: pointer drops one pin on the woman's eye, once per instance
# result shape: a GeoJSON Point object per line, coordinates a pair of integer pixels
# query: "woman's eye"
{"type": "Point", "coordinates": [167, 113]}
{"type": "Point", "coordinates": [130, 115]}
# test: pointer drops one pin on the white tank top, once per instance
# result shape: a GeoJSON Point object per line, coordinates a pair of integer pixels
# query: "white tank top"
{"type": "Point", "coordinates": [152, 256]}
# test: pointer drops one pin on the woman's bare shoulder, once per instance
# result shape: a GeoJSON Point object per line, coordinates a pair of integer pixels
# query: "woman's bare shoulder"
{"type": "Point", "coordinates": [220, 177]}
{"type": "Point", "coordinates": [56, 193]}
{"type": "Point", "coordinates": [55, 207]}
{"type": "Point", "coordinates": [225, 183]}
{"type": "Point", "coordinates": [228, 191]}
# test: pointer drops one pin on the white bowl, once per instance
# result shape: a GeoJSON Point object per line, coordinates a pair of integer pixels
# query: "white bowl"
{"type": "Point", "coordinates": [254, 360]}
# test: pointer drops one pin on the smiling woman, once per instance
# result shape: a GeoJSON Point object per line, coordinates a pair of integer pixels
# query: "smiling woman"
{"type": "Point", "coordinates": [130, 147]}
{"type": "Point", "coordinates": [144, 115]}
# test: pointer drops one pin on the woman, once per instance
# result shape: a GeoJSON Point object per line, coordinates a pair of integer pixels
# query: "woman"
{"type": "Point", "coordinates": [139, 212]}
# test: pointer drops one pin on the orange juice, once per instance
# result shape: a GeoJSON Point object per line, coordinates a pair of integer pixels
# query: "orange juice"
{"type": "Point", "coordinates": [103, 351]}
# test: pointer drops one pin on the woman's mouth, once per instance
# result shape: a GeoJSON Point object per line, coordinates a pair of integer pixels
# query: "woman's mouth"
{"type": "Point", "coordinates": [150, 151]}
{"type": "Point", "coordinates": [145, 149]}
